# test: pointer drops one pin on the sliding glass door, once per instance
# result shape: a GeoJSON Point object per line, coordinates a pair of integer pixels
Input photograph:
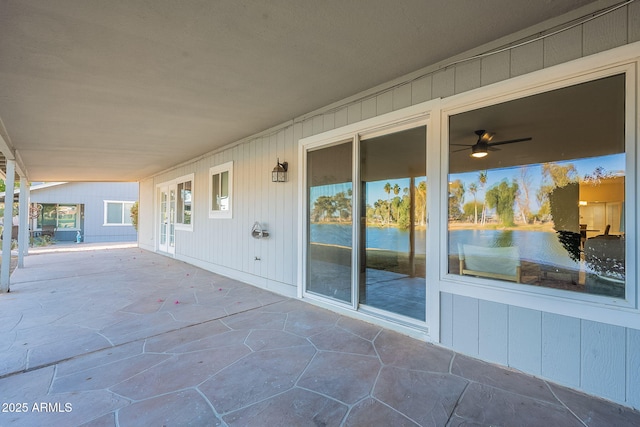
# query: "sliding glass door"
{"type": "Point", "coordinates": [393, 222]}
{"type": "Point", "coordinates": [377, 263]}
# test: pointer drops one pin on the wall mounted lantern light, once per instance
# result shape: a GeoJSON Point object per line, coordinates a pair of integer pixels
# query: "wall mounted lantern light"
{"type": "Point", "coordinates": [279, 173]}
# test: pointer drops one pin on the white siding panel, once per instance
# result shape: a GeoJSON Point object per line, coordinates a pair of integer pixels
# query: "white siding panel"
{"type": "Point", "coordinates": [444, 83]}
{"type": "Point", "coordinates": [290, 211]}
{"type": "Point", "coordinates": [401, 97]}
{"type": "Point", "coordinates": [384, 103]}
{"type": "Point", "coordinates": [465, 325]}
{"type": "Point", "coordinates": [561, 349]}
{"type": "Point", "coordinates": [525, 342]}
{"type": "Point", "coordinates": [528, 58]}
{"type": "Point", "coordinates": [307, 127]}
{"type": "Point", "coordinates": [318, 124]}
{"type": "Point", "coordinates": [368, 108]}
{"type": "Point", "coordinates": [563, 47]}
{"type": "Point", "coordinates": [244, 197]}
{"type": "Point", "coordinates": [329, 121]}
{"type": "Point", "coordinates": [467, 76]}
{"type": "Point", "coordinates": [605, 32]}
{"type": "Point", "coordinates": [274, 221]}
{"type": "Point", "coordinates": [354, 113]}
{"type": "Point", "coordinates": [633, 367]}
{"type": "Point", "coordinates": [495, 68]}
{"type": "Point", "coordinates": [634, 22]}
{"type": "Point", "coordinates": [421, 90]}
{"type": "Point", "coordinates": [342, 117]}
{"type": "Point", "coordinates": [493, 331]}
{"type": "Point", "coordinates": [603, 360]}
{"type": "Point", "coordinates": [446, 319]}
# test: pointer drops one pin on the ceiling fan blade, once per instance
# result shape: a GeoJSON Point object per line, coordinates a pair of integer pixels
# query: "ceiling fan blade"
{"type": "Point", "coordinates": [463, 145]}
{"type": "Point", "coordinates": [511, 141]}
{"type": "Point", "coordinates": [490, 148]}
{"type": "Point", "coordinates": [462, 149]}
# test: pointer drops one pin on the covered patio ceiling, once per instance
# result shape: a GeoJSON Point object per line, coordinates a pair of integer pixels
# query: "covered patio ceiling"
{"type": "Point", "coordinates": [94, 90]}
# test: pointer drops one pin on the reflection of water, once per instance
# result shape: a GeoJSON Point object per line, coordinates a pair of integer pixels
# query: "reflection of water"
{"type": "Point", "coordinates": [379, 238]}
{"type": "Point", "coordinates": [541, 247]}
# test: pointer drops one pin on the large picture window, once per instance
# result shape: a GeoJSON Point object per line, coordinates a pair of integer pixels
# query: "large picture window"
{"type": "Point", "coordinates": [58, 216]}
{"type": "Point", "coordinates": [220, 191]}
{"type": "Point", "coordinates": [537, 190]}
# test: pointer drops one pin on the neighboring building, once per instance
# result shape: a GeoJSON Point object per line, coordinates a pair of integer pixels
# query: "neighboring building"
{"type": "Point", "coordinates": [559, 302]}
{"type": "Point", "coordinates": [100, 211]}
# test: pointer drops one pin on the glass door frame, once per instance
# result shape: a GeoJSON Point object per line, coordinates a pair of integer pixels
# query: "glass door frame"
{"type": "Point", "coordinates": [407, 118]}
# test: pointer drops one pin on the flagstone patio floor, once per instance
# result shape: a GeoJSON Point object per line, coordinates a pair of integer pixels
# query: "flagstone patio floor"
{"type": "Point", "coordinates": [124, 337]}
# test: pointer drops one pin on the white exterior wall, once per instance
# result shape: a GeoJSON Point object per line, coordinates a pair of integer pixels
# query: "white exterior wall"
{"type": "Point", "coordinates": [599, 358]}
{"type": "Point", "coordinates": [225, 245]}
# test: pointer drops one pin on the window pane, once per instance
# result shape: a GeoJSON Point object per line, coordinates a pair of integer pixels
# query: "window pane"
{"type": "Point", "coordinates": [393, 226]}
{"type": "Point", "coordinates": [184, 203]}
{"type": "Point", "coordinates": [215, 192]}
{"type": "Point", "coordinates": [114, 213]}
{"type": "Point", "coordinates": [180, 209]}
{"type": "Point", "coordinates": [186, 195]}
{"type": "Point", "coordinates": [67, 216]}
{"type": "Point", "coordinates": [330, 223]}
{"type": "Point", "coordinates": [547, 211]}
{"type": "Point", "coordinates": [224, 185]}
{"type": "Point", "coordinates": [48, 215]}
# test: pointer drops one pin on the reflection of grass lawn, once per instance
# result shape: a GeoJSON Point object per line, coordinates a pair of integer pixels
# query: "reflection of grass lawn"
{"type": "Point", "coordinates": [379, 259]}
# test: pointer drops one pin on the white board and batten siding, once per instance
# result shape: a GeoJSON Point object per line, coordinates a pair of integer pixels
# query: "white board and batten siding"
{"type": "Point", "coordinates": [594, 356]}
{"type": "Point", "coordinates": [225, 245]}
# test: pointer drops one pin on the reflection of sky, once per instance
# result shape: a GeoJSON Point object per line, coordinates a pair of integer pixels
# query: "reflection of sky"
{"type": "Point", "coordinates": [375, 189]}
{"type": "Point", "coordinates": [614, 163]}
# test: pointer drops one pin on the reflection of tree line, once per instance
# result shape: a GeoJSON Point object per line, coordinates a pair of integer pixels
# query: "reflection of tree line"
{"type": "Point", "coordinates": [511, 200]}
{"type": "Point", "coordinates": [395, 211]}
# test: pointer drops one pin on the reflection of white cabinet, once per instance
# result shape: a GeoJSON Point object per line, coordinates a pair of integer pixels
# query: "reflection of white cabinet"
{"type": "Point", "coordinates": [598, 215]}
{"type": "Point", "coordinates": [613, 216]}
{"type": "Point", "coordinates": [594, 216]}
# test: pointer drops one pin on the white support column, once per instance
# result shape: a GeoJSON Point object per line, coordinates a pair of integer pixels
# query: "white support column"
{"type": "Point", "coordinates": [23, 231]}
{"type": "Point", "coordinates": [5, 268]}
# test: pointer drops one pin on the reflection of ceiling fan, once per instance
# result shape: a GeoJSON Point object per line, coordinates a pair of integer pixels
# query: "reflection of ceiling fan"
{"type": "Point", "coordinates": [482, 147]}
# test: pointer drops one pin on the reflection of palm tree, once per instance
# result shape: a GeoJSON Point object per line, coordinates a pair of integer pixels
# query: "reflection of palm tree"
{"type": "Point", "coordinates": [473, 189]}
{"type": "Point", "coordinates": [421, 202]}
{"type": "Point", "coordinates": [387, 189]}
{"type": "Point", "coordinates": [396, 191]}
{"type": "Point", "coordinates": [482, 179]}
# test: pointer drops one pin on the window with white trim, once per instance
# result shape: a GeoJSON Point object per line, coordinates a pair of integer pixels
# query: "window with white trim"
{"type": "Point", "coordinates": [221, 191]}
{"type": "Point", "coordinates": [117, 212]}
{"type": "Point", "coordinates": [537, 190]}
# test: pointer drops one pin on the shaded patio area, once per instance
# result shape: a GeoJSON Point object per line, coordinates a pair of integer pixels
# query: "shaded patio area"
{"type": "Point", "coordinates": [124, 337]}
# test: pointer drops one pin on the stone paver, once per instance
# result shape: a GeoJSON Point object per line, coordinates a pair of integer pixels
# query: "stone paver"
{"type": "Point", "coordinates": [123, 337]}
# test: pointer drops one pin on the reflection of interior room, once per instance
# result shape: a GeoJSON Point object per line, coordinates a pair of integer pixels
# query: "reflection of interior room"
{"type": "Point", "coordinates": [580, 123]}
{"type": "Point", "coordinates": [601, 205]}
